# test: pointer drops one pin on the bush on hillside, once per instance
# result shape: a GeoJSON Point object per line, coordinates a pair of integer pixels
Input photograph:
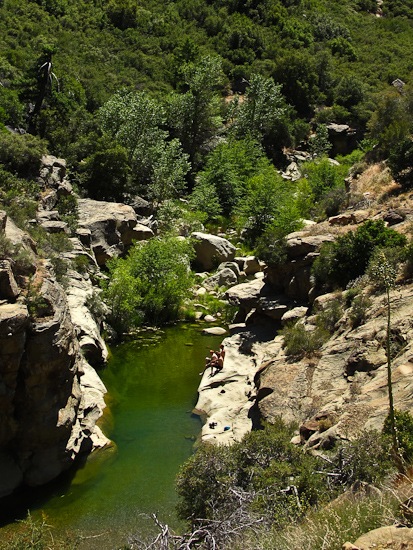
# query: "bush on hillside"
{"type": "Point", "coordinates": [347, 258]}
{"type": "Point", "coordinates": [274, 475]}
{"type": "Point", "coordinates": [21, 154]}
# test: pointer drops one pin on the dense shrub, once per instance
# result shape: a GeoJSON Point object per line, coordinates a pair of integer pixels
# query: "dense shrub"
{"type": "Point", "coordinates": [347, 258]}
{"type": "Point", "coordinates": [404, 430]}
{"type": "Point", "coordinates": [150, 284]}
{"type": "Point", "coordinates": [21, 154]}
{"type": "Point", "coordinates": [298, 341]}
{"type": "Point", "coordinates": [265, 465]}
{"type": "Point", "coordinates": [401, 162]}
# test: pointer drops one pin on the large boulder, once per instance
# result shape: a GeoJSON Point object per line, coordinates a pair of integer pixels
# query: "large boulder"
{"type": "Point", "coordinates": [293, 278]}
{"type": "Point", "coordinates": [113, 227]}
{"type": "Point", "coordinates": [211, 250]}
{"type": "Point", "coordinates": [81, 298]}
{"type": "Point", "coordinates": [225, 277]}
{"type": "Point", "coordinates": [8, 286]}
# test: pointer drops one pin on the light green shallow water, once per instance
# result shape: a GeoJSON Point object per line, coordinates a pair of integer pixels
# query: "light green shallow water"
{"type": "Point", "coordinates": [151, 386]}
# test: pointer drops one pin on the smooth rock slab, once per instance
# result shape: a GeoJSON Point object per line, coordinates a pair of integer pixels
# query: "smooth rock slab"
{"type": "Point", "coordinates": [216, 331]}
{"type": "Point", "coordinates": [227, 397]}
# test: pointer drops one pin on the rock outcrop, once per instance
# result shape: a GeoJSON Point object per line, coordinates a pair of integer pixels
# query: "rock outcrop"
{"type": "Point", "coordinates": [226, 399]}
{"type": "Point", "coordinates": [46, 415]}
{"type": "Point", "coordinates": [112, 227]}
{"type": "Point", "coordinates": [211, 250]}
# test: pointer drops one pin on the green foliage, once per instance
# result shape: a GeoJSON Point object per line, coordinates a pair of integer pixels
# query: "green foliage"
{"type": "Point", "coordinates": [347, 258]}
{"type": "Point", "coordinates": [104, 174]}
{"type": "Point", "coordinates": [323, 177]}
{"type": "Point", "coordinates": [366, 458]}
{"type": "Point", "coordinates": [21, 154]}
{"type": "Point", "coordinates": [383, 267]}
{"type": "Point", "coordinates": [320, 144]}
{"type": "Point", "coordinates": [194, 115]}
{"type": "Point", "coordinates": [177, 217]}
{"type": "Point", "coordinates": [37, 535]}
{"type": "Point", "coordinates": [157, 164]}
{"type": "Point", "coordinates": [300, 342]}
{"type": "Point", "coordinates": [261, 114]}
{"type": "Point", "coordinates": [268, 206]}
{"type": "Point", "coordinates": [404, 431]}
{"type": "Point", "coordinates": [327, 318]}
{"type": "Point", "coordinates": [408, 259]}
{"type": "Point", "coordinates": [358, 311]}
{"type": "Point", "coordinates": [224, 178]}
{"type": "Point", "coordinates": [401, 162]}
{"type": "Point", "coordinates": [390, 125]}
{"type": "Point", "coordinates": [264, 463]}
{"type": "Point", "coordinates": [17, 197]}
{"type": "Point", "coordinates": [150, 284]}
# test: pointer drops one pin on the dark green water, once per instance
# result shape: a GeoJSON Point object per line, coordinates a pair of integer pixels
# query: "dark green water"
{"type": "Point", "coordinates": [151, 386]}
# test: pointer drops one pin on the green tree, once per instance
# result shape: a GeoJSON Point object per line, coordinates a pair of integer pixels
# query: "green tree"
{"type": "Point", "coordinates": [347, 258]}
{"type": "Point", "coordinates": [195, 115]}
{"type": "Point", "coordinates": [261, 115]}
{"type": "Point", "coordinates": [149, 286]}
{"type": "Point", "coordinates": [226, 171]}
{"type": "Point", "coordinates": [158, 165]}
{"type": "Point", "coordinates": [401, 162]}
{"type": "Point", "coordinates": [268, 202]}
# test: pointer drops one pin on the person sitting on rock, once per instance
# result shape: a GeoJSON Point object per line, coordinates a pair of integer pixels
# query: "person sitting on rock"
{"type": "Point", "coordinates": [220, 360]}
{"type": "Point", "coordinates": [211, 361]}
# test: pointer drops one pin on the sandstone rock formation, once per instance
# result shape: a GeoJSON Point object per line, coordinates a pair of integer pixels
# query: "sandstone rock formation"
{"type": "Point", "coordinates": [112, 226]}
{"type": "Point", "coordinates": [211, 250]}
{"type": "Point", "coordinates": [226, 399]}
{"type": "Point", "coordinates": [46, 418]}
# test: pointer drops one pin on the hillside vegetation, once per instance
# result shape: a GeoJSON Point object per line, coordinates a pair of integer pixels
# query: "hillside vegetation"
{"type": "Point", "coordinates": [199, 106]}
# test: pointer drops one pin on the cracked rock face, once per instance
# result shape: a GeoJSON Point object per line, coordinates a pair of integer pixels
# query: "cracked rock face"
{"type": "Point", "coordinates": [49, 400]}
{"type": "Point", "coordinates": [347, 379]}
{"type": "Point", "coordinates": [112, 227]}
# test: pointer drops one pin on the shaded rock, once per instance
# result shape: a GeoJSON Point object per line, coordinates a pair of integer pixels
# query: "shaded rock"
{"type": "Point", "coordinates": [140, 206]}
{"type": "Point", "coordinates": [226, 277]}
{"type": "Point", "coordinates": [299, 244]}
{"type": "Point", "coordinates": [293, 315]}
{"type": "Point", "coordinates": [365, 358]}
{"type": "Point", "coordinates": [292, 172]}
{"type": "Point", "coordinates": [211, 250]}
{"type": "Point", "coordinates": [47, 216]}
{"type": "Point", "coordinates": [52, 171]}
{"type": "Point", "coordinates": [230, 265]}
{"type": "Point", "coordinates": [348, 218]}
{"type": "Point", "coordinates": [79, 292]}
{"type": "Point", "coordinates": [393, 217]}
{"type": "Point", "coordinates": [55, 226]}
{"type": "Point", "coordinates": [8, 286]}
{"type": "Point", "coordinates": [248, 294]}
{"type": "Point", "coordinates": [342, 138]}
{"type": "Point", "coordinates": [249, 264]}
{"type": "Point", "coordinates": [226, 399]}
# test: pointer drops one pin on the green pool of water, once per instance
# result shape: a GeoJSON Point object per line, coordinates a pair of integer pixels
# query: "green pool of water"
{"type": "Point", "coordinates": [151, 384]}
